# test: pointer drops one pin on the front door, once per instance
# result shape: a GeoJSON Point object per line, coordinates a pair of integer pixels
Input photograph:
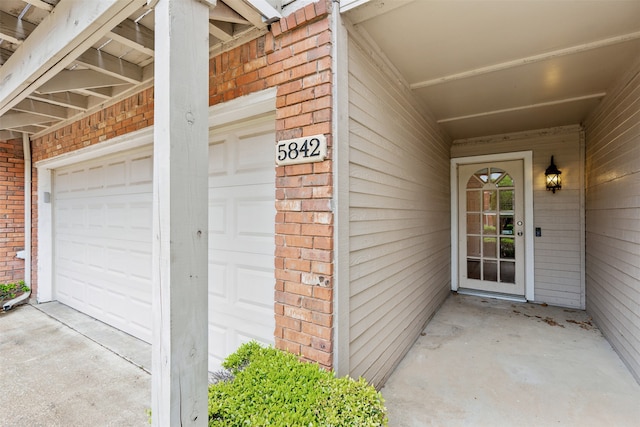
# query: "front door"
{"type": "Point", "coordinates": [491, 227]}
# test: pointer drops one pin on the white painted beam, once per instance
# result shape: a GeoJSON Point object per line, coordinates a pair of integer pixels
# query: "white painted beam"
{"type": "Point", "coordinates": [79, 79]}
{"type": "Point", "coordinates": [135, 36]}
{"type": "Point", "coordinates": [269, 13]}
{"type": "Point", "coordinates": [224, 13]}
{"type": "Point", "coordinates": [42, 108]}
{"type": "Point", "coordinates": [248, 12]}
{"type": "Point", "coordinates": [363, 10]}
{"type": "Point", "coordinates": [29, 129]}
{"type": "Point", "coordinates": [527, 60]}
{"type": "Point", "coordinates": [63, 99]}
{"type": "Point", "coordinates": [64, 34]}
{"type": "Point", "coordinates": [110, 65]}
{"type": "Point", "coordinates": [524, 107]}
{"type": "Point", "coordinates": [98, 92]}
{"type": "Point", "coordinates": [221, 30]}
{"type": "Point", "coordinates": [180, 218]}
{"type": "Point", "coordinates": [15, 120]}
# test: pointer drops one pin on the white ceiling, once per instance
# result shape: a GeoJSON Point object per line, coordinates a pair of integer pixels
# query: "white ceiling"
{"type": "Point", "coordinates": [490, 67]}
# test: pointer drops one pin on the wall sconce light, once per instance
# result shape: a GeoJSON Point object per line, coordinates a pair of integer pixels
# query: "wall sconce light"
{"type": "Point", "coordinates": [553, 177]}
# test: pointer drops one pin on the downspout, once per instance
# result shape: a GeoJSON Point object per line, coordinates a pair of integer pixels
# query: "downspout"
{"type": "Point", "coordinates": [26, 148]}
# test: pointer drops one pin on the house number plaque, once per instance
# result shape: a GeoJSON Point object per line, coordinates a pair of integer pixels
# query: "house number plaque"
{"type": "Point", "coordinates": [307, 149]}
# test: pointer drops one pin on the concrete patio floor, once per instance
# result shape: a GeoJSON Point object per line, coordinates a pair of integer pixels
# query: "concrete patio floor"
{"type": "Point", "coordinates": [480, 362]}
{"type": "Point", "coordinates": [487, 362]}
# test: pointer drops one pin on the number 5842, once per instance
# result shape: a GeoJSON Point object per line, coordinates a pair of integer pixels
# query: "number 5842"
{"type": "Point", "coordinates": [301, 150]}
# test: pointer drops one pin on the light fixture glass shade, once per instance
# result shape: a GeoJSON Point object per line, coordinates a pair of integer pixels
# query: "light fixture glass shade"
{"type": "Point", "coordinates": [552, 175]}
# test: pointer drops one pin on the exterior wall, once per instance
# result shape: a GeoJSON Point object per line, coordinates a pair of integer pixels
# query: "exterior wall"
{"type": "Point", "coordinates": [613, 218]}
{"type": "Point", "coordinates": [399, 209]}
{"type": "Point", "coordinates": [558, 252]}
{"type": "Point", "coordinates": [295, 58]}
{"type": "Point", "coordinates": [11, 210]}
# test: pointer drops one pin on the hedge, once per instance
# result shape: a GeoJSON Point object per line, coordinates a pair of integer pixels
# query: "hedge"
{"type": "Point", "coordinates": [263, 386]}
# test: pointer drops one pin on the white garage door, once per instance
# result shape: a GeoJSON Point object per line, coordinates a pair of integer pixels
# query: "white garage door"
{"type": "Point", "coordinates": [102, 217]}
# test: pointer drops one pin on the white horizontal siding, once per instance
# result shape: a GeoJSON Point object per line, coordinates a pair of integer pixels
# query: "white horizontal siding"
{"type": "Point", "coordinates": [559, 251]}
{"type": "Point", "coordinates": [613, 218]}
{"type": "Point", "coordinates": [399, 227]}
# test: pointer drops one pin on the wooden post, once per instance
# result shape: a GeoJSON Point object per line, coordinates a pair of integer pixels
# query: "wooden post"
{"type": "Point", "coordinates": [179, 376]}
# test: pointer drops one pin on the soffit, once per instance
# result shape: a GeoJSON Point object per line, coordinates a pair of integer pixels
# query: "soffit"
{"type": "Point", "coordinates": [477, 64]}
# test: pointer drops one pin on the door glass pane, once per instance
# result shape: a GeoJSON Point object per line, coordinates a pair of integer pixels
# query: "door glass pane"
{"type": "Point", "coordinates": [505, 181]}
{"type": "Point", "coordinates": [473, 201]}
{"type": "Point", "coordinates": [507, 272]}
{"type": "Point", "coordinates": [495, 175]}
{"type": "Point", "coordinates": [473, 223]}
{"type": "Point", "coordinates": [506, 224]}
{"type": "Point", "coordinates": [507, 248]}
{"type": "Point", "coordinates": [489, 199]}
{"type": "Point", "coordinates": [483, 175]}
{"type": "Point", "coordinates": [475, 182]}
{"type": "Point", "coordinates": [489, 223]}
{"type": "Point", "coordinates": [473, 269]}
{"type": "Point", "coordinates": [506, 200]}
{"type": "Point", "coordinates": [473, 246]}
{"type": "Point", "coordinates": [489, 245]}
{"type": "Point", "coordinates": [490, 271]}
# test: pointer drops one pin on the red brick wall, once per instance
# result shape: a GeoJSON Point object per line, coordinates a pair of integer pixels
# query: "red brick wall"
{"type": "Point", "coordinates": [295, 58]}
{"type": "Point", "coordinates": [11, 210]}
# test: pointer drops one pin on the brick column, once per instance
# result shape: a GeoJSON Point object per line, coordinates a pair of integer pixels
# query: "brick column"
{"type": "Point", "coordinates": [304, 222]}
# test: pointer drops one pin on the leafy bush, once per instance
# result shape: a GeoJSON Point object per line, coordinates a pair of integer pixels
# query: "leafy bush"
{"type": "Point", "coordinates": [11, 290]}
{"type": "Point", "coordinates": [270, 387]}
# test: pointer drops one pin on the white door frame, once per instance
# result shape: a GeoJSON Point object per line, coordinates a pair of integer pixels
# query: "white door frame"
{"type": "Point", "coordinates": [527, 158]}
{"type": "Point", "coordinates": [255, 104]}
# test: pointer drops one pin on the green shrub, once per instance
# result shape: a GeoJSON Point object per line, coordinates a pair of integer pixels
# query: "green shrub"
{"type": "Point", "coordinates": [273, 388]}
{"type": "Point", "coordinates": [11, 290]}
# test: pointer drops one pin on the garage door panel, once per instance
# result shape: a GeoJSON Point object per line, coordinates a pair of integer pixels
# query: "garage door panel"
{"type": "Point", "coordinates": [223, 339]}
{"type": "Point", "coordinates": [255, 287]}
{"type": "Point", "coordinates": [103, 237]}
{"type": "Point", "coordinates": [251, 151]}
{"type": "Point", "coordinates": [142, 170]}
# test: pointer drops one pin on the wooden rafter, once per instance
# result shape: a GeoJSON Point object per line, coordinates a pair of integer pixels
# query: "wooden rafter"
{"type": "Point", "coordinates": [68, 80]}
{"type": "Point", "coordinates": [110, 65]}
{"type": "Point", "coordinates": [242, 8]}
{"type": "Point", "coordinates": [221, 30]}
{"type": "Point", "coordinates": [40, 4]}
{"type": "Point", "coordinates": [54, 44]}
{"type": "Point", "coordinates": [224, 13]}
{"type": "Point", "coordinates": [14, 30]}
{"type": "Point", "coordinates": [15, 120]}
{"type": "Point", "coordinates": [63, 99]}
{"type": "Point", "coordinates": [135, 36]}
{"type": "Point", "coordinates": [42, 109]}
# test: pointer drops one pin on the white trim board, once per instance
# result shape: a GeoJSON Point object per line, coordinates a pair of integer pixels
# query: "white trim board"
{"type": "Point", "coordinates": [239, 109]}
{"type": "Point", "coordinates": [527, 158]}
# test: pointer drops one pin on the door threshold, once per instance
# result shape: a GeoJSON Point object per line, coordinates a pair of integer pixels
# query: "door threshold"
{"type": "Point", "coordinates": [487, 294]}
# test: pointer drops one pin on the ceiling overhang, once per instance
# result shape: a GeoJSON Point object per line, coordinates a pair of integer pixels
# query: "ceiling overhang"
{"type": "Point", "coordinates": [491, 67]}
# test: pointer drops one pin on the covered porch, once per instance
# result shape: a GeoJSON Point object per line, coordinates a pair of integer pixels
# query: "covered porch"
{"type": "Point", "coordinates": [483, 361]}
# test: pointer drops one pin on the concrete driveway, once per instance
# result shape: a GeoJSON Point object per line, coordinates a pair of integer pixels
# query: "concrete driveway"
{"type": "Point", "coordinates": [54, 376]}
